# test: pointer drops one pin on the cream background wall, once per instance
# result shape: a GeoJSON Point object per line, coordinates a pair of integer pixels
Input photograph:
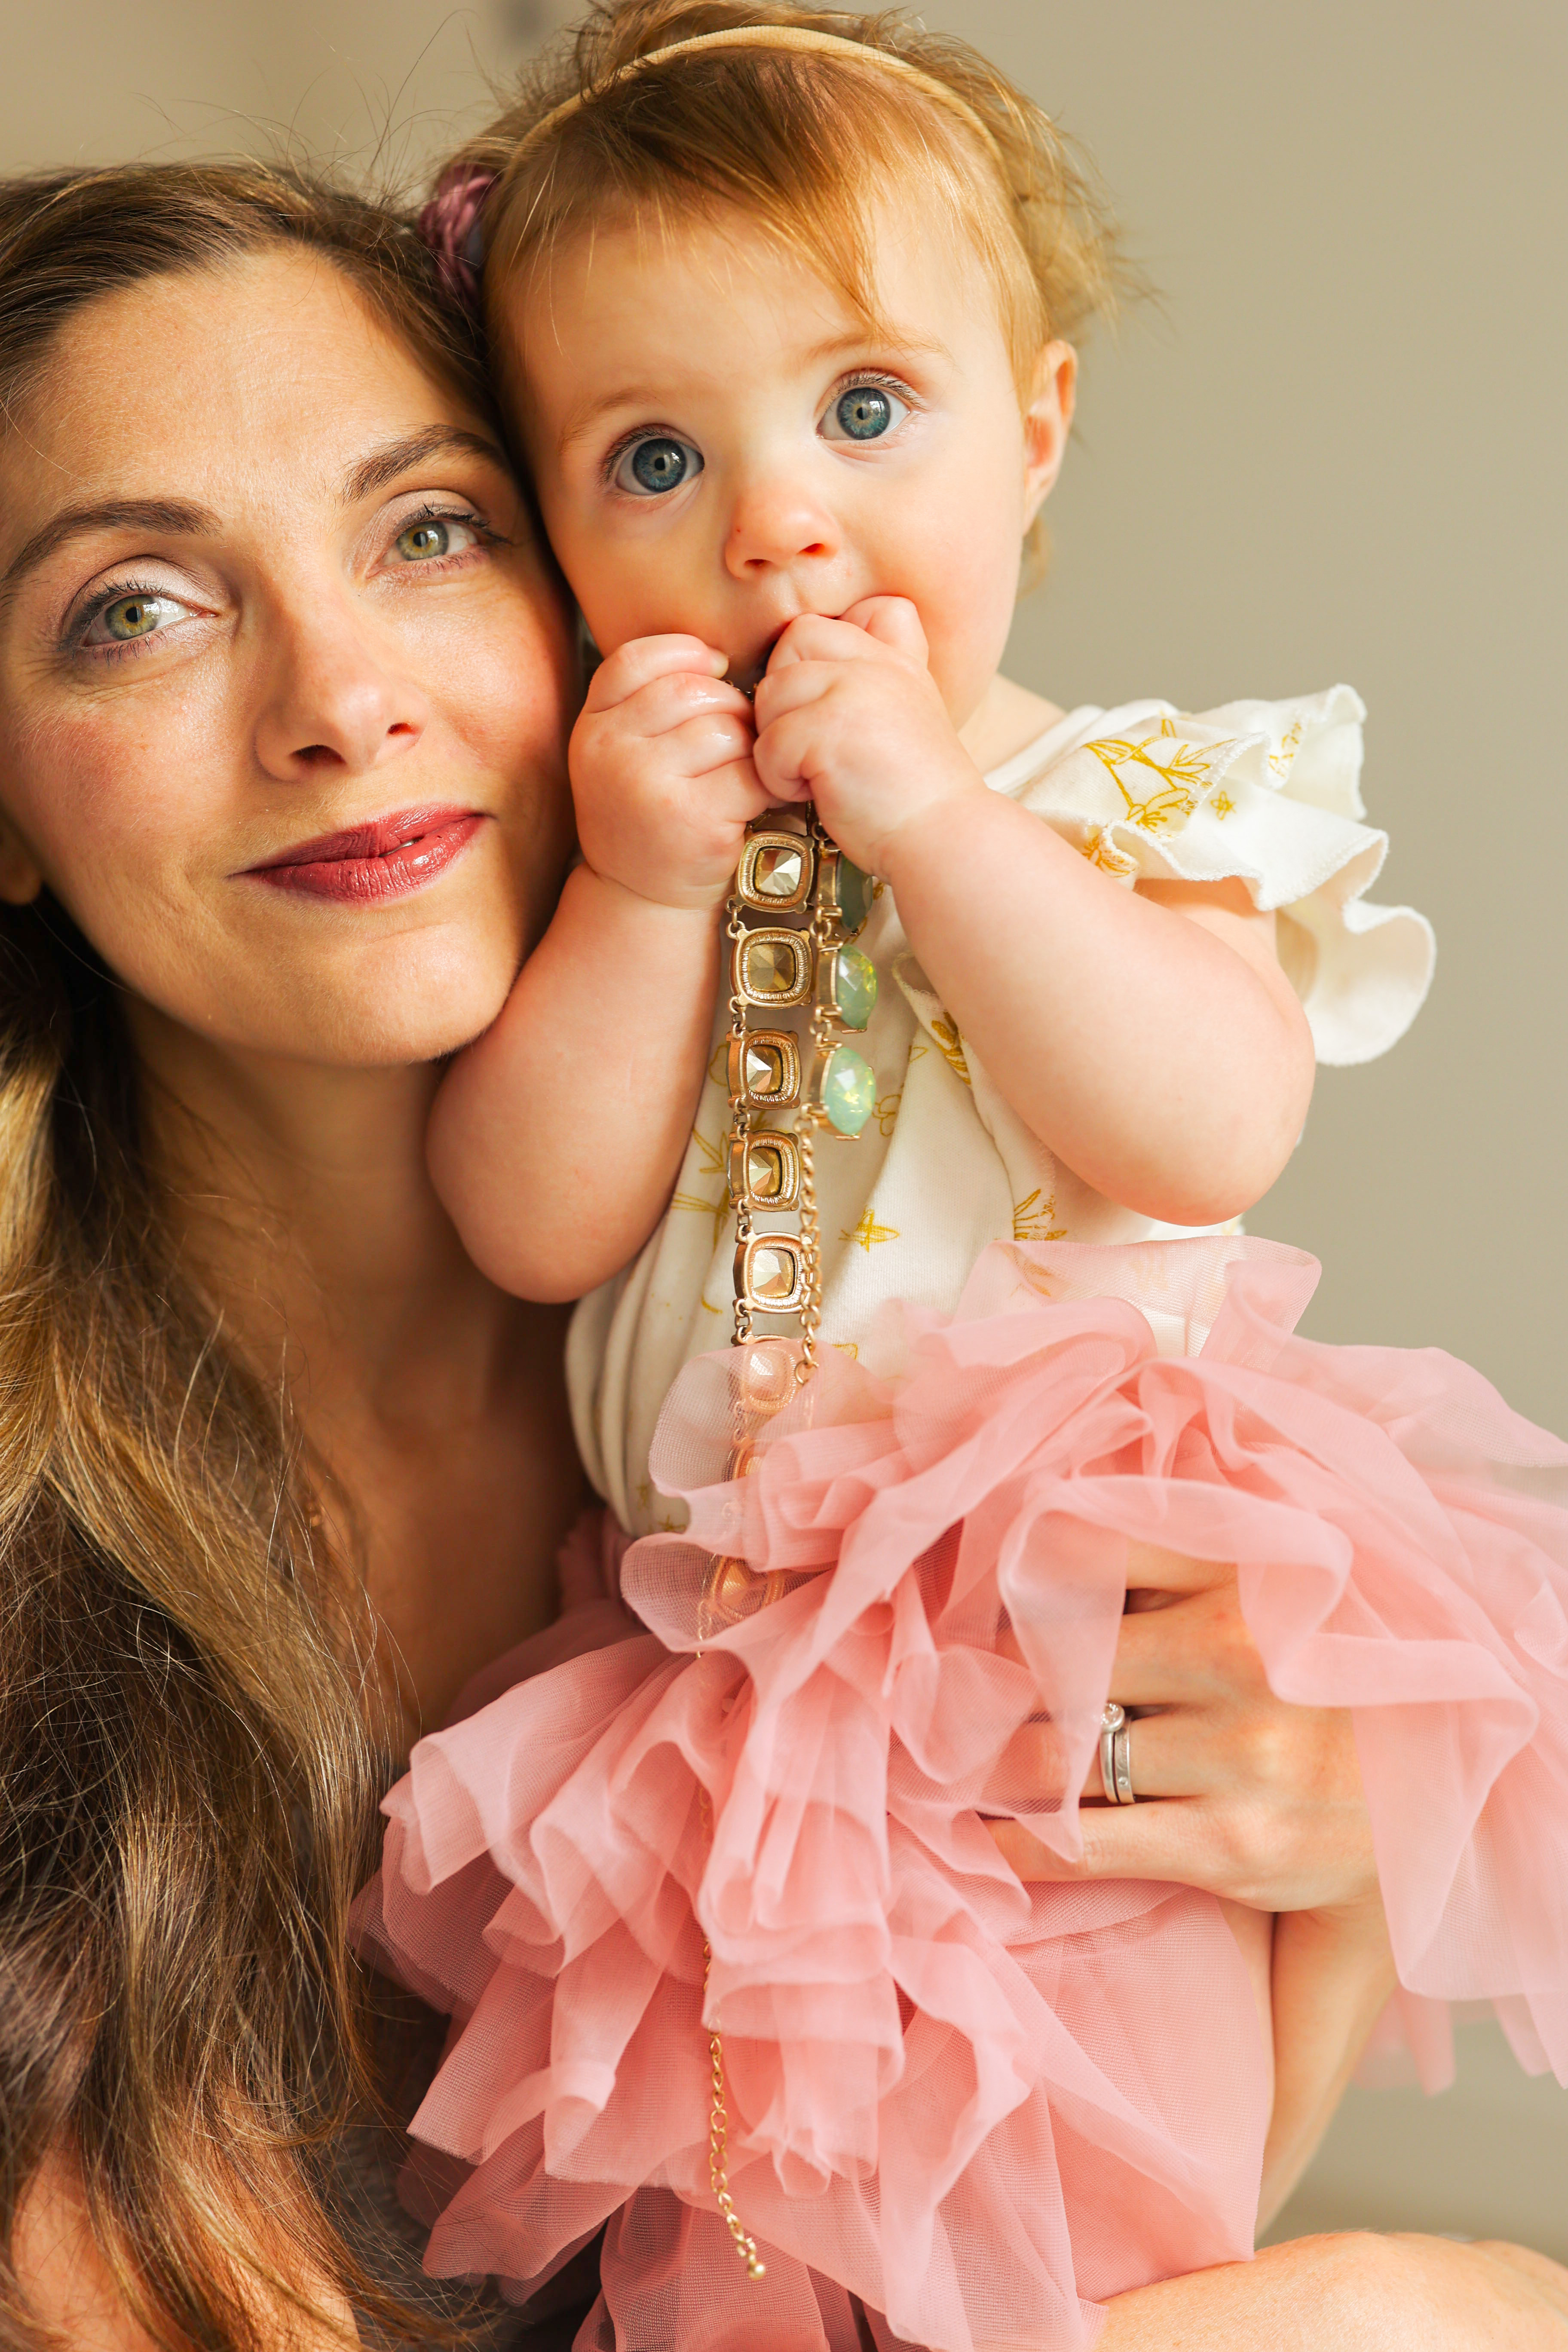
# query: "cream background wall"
{"type": "Point", "coordinates": [1337, 451]}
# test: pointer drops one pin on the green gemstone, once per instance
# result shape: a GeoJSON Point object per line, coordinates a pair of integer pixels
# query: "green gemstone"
{"type": "Point", "coordinates": [848, 1091]}
{"type": "Point", "coordinates": [855, 987]}
{"type": "Point", "coordinates": [854, 896]}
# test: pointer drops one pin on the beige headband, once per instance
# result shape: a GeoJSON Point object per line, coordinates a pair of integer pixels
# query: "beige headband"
{"type": "Point", "coordinates": [774, 37]}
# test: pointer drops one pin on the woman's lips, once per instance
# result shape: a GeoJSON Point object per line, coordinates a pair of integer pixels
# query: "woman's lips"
{"type": "Point", "coordinates": [385, 859]}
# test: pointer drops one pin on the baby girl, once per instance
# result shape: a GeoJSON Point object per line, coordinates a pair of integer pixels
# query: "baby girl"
{"type": "Point", "coordinates": [782, 303]}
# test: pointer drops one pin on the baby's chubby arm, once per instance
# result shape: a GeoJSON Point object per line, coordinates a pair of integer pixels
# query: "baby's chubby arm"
{"type": "Point", "coordinates": [1149, 1038]}
{"type": "Point", "coordinates": [556, 1137]}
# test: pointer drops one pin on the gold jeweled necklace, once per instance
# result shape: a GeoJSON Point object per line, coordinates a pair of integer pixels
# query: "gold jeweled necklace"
{"type": "Point", "coordinates": [797, 904]}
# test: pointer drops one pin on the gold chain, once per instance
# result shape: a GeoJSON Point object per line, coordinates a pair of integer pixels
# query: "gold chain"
{"type": "Point", "coordinates": [776, 1080]}
{"type": "Point", "coordinates": [718, 2143]}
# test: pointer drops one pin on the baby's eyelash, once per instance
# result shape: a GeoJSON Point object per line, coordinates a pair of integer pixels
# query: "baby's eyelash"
{"type": "Point", "coordinates": [882, 377]}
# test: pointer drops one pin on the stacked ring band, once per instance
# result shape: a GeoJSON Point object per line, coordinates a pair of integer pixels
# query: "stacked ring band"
{"type": "Point", "coordinates": [1116, 1755]}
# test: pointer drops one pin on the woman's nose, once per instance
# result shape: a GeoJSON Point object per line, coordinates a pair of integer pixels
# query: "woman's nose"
{"type": "Point", "coordinates": [776, 523]}
{"type": "Point", "coordinates": [335, 704]}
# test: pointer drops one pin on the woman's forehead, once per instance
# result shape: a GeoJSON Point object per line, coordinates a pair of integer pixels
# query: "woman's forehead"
{"type": "Point", "coordinates": [269, 376]}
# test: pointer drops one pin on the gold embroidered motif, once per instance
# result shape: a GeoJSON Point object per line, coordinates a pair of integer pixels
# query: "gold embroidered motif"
{"type": "Point", "coordinates": [950, 1045]}
{"type": "Point", "coordinates": [1290, 744]}
{"type": "Point", "coordinates": [918, 1050]}
{"type": "Point", "coordinates": [718, 1210]}
{"type": "Point", "coordinates": [848, 1348]}
{"type": "Point", "coordinates": [1186, 777]}
{"type": "Point", "coordinates": [868, 1232]}
{"type": "Point", "coordinates": [1032, 1215]}
{"type": "Point", "coordinates": [887, 1111]}
{"type": "Point", "coordinates": [1222, 805]}
{"type": "Point", "coordinates": [712, 1165]}
{"type": "Point", "coordinates": [717, 1070]}
{"type": "Point", "coordinates": [1101, 851]}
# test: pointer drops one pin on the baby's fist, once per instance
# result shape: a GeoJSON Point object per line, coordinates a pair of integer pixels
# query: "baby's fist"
{"type": "Point", "coordinates": [662, 774]}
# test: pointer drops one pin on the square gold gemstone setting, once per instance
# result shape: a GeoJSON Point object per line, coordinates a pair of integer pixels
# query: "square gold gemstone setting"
{"type": "Point", "coordinates": [777, 870]}
{"type": "Point", "coordinates": [772, 967]}
{"type": "Point", "coordinates": [763, 1071]}
{"type": "Point", "coordinates": [770, 1273]}
{"type": "Point", "coordinates": [764, 1170]}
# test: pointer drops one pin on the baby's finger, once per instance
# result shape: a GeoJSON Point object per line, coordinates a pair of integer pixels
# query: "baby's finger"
{"type": "Point", "coordinates": [704, 743]}
{"type": "Point", "coordinates": [791, 689]}
{"type": "Point", "coordinates": [893, 622]}
{"type": "Point", "coordinates": [817, 636]}
{"type": "Point", "coordinates": [664, 704]}
{"type": "Point", "coordinates": [632, 665]}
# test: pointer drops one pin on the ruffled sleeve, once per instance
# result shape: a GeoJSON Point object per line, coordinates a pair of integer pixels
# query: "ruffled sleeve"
{"type": "Point", "coordinates": [1266, 794]}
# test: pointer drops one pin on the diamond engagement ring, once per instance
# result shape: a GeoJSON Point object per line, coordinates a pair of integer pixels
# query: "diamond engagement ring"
{"type": "Point", "coordinates": [1116, 1755]}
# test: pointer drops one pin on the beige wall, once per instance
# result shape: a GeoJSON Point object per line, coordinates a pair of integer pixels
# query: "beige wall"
{"type": "Point", "coordinates": [1336, 454]}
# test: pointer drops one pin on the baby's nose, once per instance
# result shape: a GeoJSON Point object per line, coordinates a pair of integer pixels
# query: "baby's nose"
{"type": "Point", "coordinates": [777, 523]}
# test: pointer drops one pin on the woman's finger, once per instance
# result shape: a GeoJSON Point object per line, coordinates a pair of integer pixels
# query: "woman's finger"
{"type": "Point", "coordinates": [1174, 1841]}
{"type": "Point", "coordinates": [1194, 1648]}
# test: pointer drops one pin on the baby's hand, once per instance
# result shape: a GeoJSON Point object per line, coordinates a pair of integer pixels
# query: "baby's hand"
{"type": "Point", "coordinates": [661, 772]}
{"type": "Point", "coordinates": [848, 716]}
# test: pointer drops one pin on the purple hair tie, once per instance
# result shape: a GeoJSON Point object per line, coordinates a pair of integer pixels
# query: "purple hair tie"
{"type": "Point", "coordinates": [450, 226]}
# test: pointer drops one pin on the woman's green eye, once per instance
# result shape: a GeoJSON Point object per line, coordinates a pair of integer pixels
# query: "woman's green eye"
{"type": "Point", "coordinates": [129, 617]}
{"type": "Point", "coordinates": [423, 539]}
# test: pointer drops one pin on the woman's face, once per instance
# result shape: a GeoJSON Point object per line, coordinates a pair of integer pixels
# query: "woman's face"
{"type": "Point", "coordinates": [284, 681]}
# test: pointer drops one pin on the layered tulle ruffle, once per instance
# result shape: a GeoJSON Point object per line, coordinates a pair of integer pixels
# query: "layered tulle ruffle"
{"type": "Point", "coordinates": [977, 2108]}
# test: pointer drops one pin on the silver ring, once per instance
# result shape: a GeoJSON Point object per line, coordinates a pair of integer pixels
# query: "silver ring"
{"type": "Point", "coordinates": [1116, 1755]}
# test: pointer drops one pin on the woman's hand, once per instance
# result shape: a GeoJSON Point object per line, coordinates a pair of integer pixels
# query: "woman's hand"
{"type": "Point", "coordinates": [1261, 1801]}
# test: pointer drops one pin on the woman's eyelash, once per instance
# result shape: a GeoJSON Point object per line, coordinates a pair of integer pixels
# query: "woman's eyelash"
{"type": "Point", "coordinates": [431, 512]}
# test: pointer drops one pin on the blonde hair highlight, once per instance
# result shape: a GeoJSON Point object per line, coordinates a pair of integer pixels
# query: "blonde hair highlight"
{"type": "Point", "coordinates": [792, 138]}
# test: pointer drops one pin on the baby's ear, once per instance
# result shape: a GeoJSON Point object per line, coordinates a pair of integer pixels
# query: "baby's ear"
{"type": "Point", "coordinates": [1047, 421]}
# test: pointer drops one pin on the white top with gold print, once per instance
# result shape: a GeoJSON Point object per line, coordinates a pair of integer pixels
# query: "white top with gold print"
{"type": "Point", "coordinates": [1264, 791]}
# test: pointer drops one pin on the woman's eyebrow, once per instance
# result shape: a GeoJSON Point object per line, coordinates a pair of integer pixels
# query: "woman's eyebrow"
{"type": "Point", "coordinates": [391, 459]}
{"type": "Point", "coordinates": [168, 517]}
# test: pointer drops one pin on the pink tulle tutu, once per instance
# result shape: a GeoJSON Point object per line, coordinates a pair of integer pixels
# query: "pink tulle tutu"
{"type": "Point", "coordinates": [974, 2107]}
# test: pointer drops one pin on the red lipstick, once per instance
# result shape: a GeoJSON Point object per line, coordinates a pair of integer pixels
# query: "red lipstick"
{"type": "Point", "coordinates": [370, 863]}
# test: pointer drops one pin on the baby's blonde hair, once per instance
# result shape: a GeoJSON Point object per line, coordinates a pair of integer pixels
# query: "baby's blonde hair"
{"type": "Point", "coordinates": [795, 140]}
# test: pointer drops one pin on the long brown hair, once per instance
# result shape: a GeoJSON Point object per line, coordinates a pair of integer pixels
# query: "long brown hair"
{"type": "Point", "coordinates": [187, 1772]}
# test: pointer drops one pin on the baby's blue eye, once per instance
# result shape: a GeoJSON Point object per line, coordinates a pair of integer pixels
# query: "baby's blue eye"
{"type": "Point", "coordinates": [661, 463]}
{"type": "Point", "coordinates": [864, 411]}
